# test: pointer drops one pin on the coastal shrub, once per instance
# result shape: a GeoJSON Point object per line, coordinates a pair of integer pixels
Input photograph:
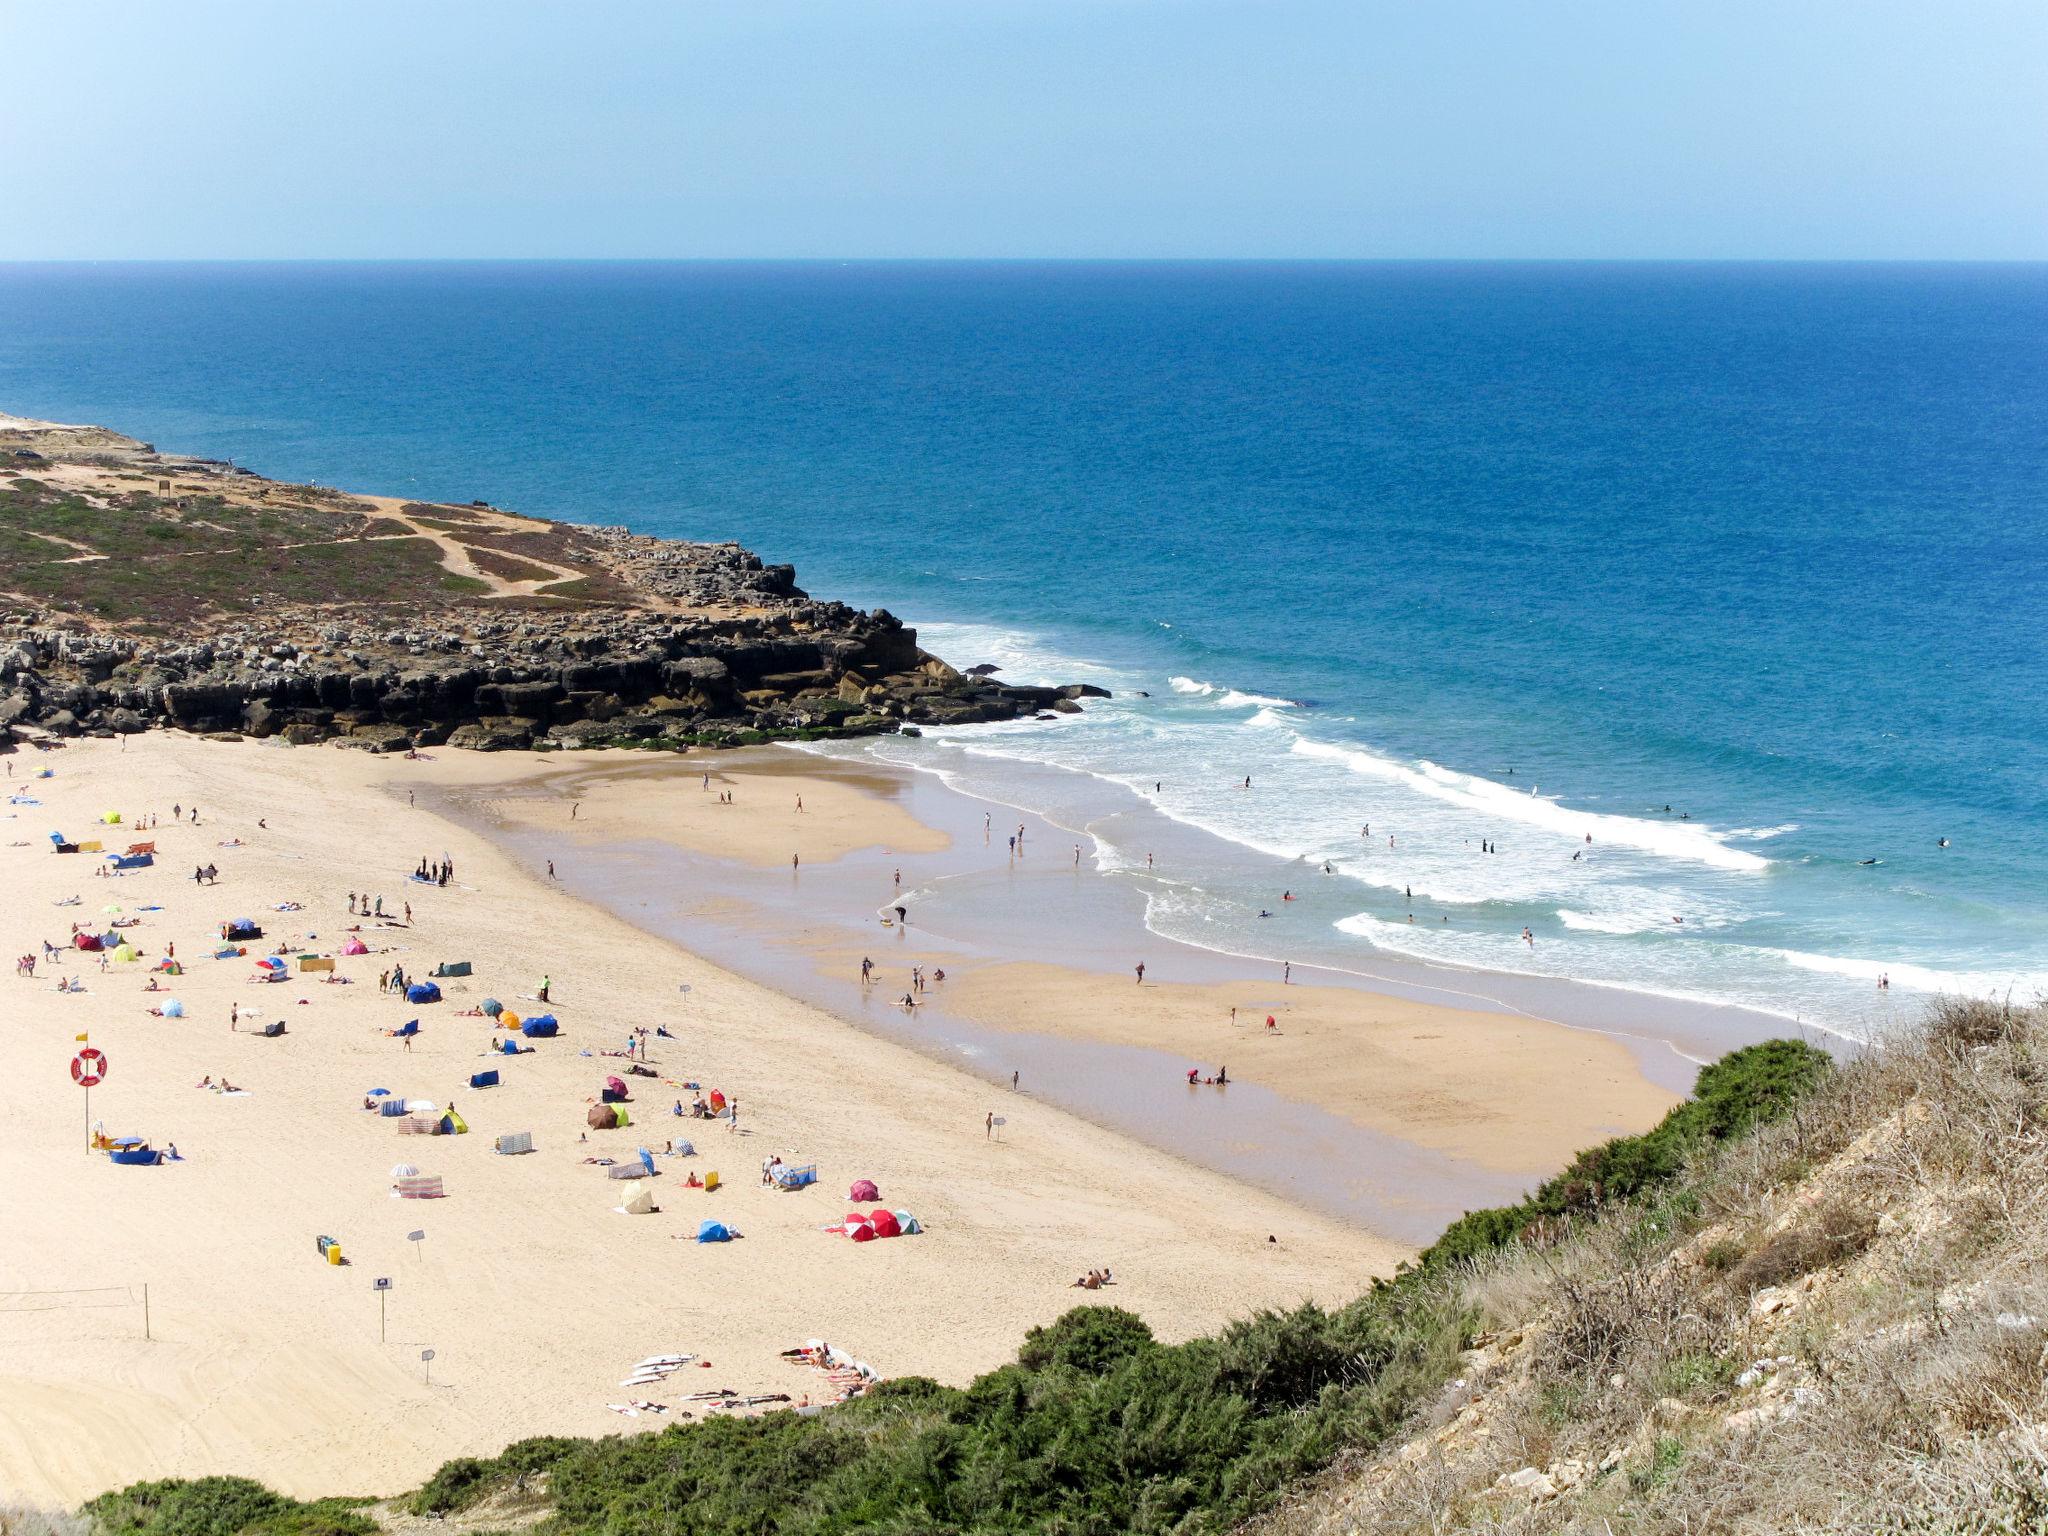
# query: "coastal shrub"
{"type": "Point", "coordinates": [220, 1506]}
{"type": "Point", "coordinates": [459, 1484]}
{"type": "Point", "coordinates": [1833, 1234]}
{"type": "Point", "coordinates": [1087, 1339]}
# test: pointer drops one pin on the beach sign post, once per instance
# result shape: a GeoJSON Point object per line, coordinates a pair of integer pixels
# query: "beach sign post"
{"type": "Point", "coordinates": [382, 1286]}
{"type": "Point", "coordinates": [88, 1067]}
{"type": "Point", "coordinates": [417, 1236]}
{"type": "Point", "coordinates": [427, 1359]}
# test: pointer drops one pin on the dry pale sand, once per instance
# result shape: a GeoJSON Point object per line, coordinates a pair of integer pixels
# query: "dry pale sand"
{"type": "Point", "coordinates": [1505, 1092]}
{"type": "Point", "coordinates": [775, 814]}
{"type": "Point", "coordinates": [533, 1293]}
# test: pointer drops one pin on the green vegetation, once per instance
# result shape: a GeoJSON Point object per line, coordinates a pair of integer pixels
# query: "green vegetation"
{"type": "Point", "coordinates": [166, 561]}
{"type": "Point", "coordinates": [1742, 1089]}
{"type": "Point", "coordinates": [221, 1506]}
{"type": "Point", "coordinates": [1098, 1429]}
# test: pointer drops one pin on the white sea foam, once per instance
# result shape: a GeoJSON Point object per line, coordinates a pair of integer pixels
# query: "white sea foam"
{"type": "Point", "coordinates": [1675, 840]}
{"type": "Point", "coordinates": [2023, 985]}
{"type": "Point", "coordinates": [1616, 922]}
{"type": "Point", "coordinates": [1226, 697]}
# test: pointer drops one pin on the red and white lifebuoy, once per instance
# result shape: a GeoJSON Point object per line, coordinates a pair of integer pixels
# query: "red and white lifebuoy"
{"type": "Point", "coordinates": [89, 1067]}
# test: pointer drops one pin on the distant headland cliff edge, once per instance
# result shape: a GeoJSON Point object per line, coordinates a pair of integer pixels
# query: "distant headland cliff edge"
{"type": "Point", "coordinates": [141, 589]}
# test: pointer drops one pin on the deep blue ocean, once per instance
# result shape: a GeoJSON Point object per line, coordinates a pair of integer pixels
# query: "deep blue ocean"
{"type": "Point", "coordinates": [1502, 555]}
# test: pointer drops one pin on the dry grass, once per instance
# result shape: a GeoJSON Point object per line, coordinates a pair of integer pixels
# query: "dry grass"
{"type": "Point", "coordinates": [1838, 1325]}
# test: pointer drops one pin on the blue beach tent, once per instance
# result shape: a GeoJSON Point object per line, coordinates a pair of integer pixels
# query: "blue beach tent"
{"type": "Point", "coordinates": [483, 1079]}
{"type": "Point", "coordinates": [423, 992]}
{"type": "Point", "coordinates": [713, 1232]}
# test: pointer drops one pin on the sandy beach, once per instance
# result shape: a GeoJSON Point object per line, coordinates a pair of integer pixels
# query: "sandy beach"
{"type": "Point", "coordinates": [1501, 1091]}
{"type": "Point", "coordinates": [1498, 1092]}
{"type": "Point", "coordinates": [533, 1293]}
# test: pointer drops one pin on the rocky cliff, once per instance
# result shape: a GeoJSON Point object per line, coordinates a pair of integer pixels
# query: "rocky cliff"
{"type": "Point", "coordinates": [151, 590]}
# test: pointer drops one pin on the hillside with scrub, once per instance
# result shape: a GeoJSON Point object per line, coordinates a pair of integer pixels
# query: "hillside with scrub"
{"type": "Point", "coordinates": [1812, 1299]}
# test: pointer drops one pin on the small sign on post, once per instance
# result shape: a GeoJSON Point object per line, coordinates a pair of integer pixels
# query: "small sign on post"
{"type": "Point", "coordinates": [416, 1237]}
{"type": "Point", "coordinates": [427, 1359]}
{"type": "Point", "coordinates": [380, 1285]}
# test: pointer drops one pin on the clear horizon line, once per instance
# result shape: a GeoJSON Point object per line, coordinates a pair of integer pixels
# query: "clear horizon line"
{"type": "Point", "coordinates": [1067, 260]}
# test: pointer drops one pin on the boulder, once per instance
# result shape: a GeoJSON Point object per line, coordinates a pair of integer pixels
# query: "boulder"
{"type": "Point", "coordinates": [380, 738]}
{"type": "Point", "coordinates": [496, 734]}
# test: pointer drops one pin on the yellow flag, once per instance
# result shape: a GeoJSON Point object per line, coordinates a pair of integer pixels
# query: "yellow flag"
{"type": "Point", "coordinates": [78, 1037]}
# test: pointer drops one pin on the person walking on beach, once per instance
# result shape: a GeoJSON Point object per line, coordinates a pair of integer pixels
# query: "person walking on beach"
{"type": "Point", "coordinates": [867, 970]}
{"type": "Point", "coordinates": [1528, 938]}
{"type": "Point", "coordinates": [1141, 973]}
{"type": "Point", "coordinates": [799, 805]}
{"type": "Point", "coordinates": [1013, 1083]}
{"type": "Point", "coordinates": [545, 984]}
{"type": "Point", "coordinates": [988, 1127]}
{"type": "Point", "coordinates": [551, 869]}
{"type": "Point", "coordinates": [1286, 972]}
{"type": "Point", "coordinates": [792, 861]}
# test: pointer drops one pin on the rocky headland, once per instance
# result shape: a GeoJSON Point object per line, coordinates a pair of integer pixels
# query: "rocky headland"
{"type": "Point", "coordinates": [141, 590]}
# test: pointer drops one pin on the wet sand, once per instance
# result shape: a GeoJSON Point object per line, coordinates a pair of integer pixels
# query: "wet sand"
{"type": "Point", "coordinates": [1394, 1112]}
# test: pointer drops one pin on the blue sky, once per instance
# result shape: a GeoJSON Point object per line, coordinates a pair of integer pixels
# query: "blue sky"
{"type": "Point", "coordinates": [1121, 128]}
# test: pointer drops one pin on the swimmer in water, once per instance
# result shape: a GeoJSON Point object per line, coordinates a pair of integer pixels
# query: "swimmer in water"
{"type": "Point", "coordinates": [1942, 844]}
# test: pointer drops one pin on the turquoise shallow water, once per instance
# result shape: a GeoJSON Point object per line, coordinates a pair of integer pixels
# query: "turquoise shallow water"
{"type": "Point", "coordinates": [1484, 556]}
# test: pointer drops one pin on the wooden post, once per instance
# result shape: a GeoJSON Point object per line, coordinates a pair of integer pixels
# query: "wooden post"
{"type": "Point", "coordinates": [145, 1310]}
